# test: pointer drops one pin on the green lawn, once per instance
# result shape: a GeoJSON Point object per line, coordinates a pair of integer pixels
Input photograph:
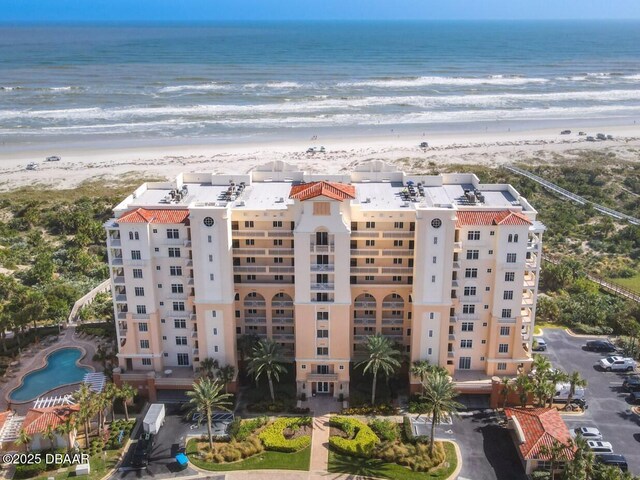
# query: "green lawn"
{"type": "Point", "coordinates": [632, 283]}
{"type": "Point", "coordinates": [100, 465]}
{"type": "Point", "coordinates": [263, 461]}
{"type": "Point", "coordinates": [540, 325]}
{"type": "Point", "coordinates": [371, 467]}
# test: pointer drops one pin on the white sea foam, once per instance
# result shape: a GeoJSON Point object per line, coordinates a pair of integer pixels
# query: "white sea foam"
{"type": "Point", "coordinates": [426, 81]}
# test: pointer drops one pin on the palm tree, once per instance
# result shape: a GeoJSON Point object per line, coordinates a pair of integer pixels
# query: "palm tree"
{"type": "Point", "coordinates": [381, 355]}
{"type": "Point", "coordinates": [127, 394]}
{"type": "Point", "coordinates": [523, 385]}
{"type": "Point", "coordinates": [23, 439]}
{"type": "Point", "coordinates": [422, 368]}
{"type": "Point", "coordinates": [555, 453]}
{"type": "Point", "coordinates": [101, 402]}
{"type": "Point", "coordinates": [111, 392]}
{"type": "Point", "coordinates": [581, 466]}
{"type": "Point", "coordinates": [50, 434]}
{"type": "Point", "coordinates": [205, 398]}
{"type": "Point", "coordinates": [226, 374]}
{"type": "Point", "coordinates": [208, 366]}
{"type": "Point", "coordinates": [266, 358]}
{"type": "Point", "coordinates": [67, 428]}
{"type": "Point", "coordinates": [84, 396]}
{"type": "Point", "coordinates": [438, 400]}
{"type": "Point", "coordinates": [507, 387]}
{"type": "Point", "coordinates": [575, 380]}
{"type": "Point", "coordinates": [555, 377]}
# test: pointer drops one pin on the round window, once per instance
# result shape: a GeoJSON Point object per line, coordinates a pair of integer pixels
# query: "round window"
{"type": "Point", "coordinates": [436, 223]}
{"type": "Point", "coordinates": [208, 221]}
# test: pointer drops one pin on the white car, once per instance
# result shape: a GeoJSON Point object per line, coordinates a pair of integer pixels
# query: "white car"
{"type": "Point", "coordinates": [32, 166]}
{"type": "Point", "coordinates": [588, 433]}
{"type": "Point", "coordinates": [53, 158]}
{"type": "Point", "coordinates": [618, 364]}
{"type": "Point", "coordinates": [598, 446]}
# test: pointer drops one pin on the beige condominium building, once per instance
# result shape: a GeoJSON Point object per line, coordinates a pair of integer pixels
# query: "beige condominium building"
{"type": "Point", "coordinates": [443, 265]}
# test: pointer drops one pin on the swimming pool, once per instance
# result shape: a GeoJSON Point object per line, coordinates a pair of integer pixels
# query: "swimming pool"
{"type": "Point", "coordinates": [61, 368]}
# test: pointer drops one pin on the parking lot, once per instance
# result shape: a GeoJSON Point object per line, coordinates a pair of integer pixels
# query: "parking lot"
{"type": "Point", "coordinates": [170, 438]}
{"type": "Point", "coordinates": [608, 403]}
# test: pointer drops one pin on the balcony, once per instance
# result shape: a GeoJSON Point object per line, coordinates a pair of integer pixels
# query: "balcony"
{"type": "Point", "coordinates": [193, 317]}
{"type": "Point", "coordinates": [194, 334]}
{"type": "Point", "coordinates": [457, 246]}
{"type": "Point", "coordinates": [255, 320]}
{"type": "Point", "coordinates": [322, 286]}
{"type": "Point", "coordinates": [451, 354]}
{"type": "Point", "coordinates": [529, 280]}
{"type": "Point", "coordinates": [527, 300]}
{"type": "Point", "coordinates": [320, 267]}
{"type": "Point", "coordinates": [190, 281]}
{"type": "Point", "coordinates": [189, 262]}
{"type": "Point", "coordinates": [195, 351]}
{"type": "Point", "coordinates": [121, 315]}
{"type": "Point", "coordinates": [248, 233]}
{"type": "Point", "coordinates": [364, 321]}
{"type": "Point", "coordinates": [278, 269]}
{"type": "Point", "coordinates": [452, 337]}
{"type": "Point", "coordinates": [364, 270]}
{"type": "Point", "coordinates": [116, 261]}
{"type": "Point", "coordinates": [114, 242]}
{"type": "Point", "coordinates": [282, 320]}
{"type": "Point", "coordinates": [456, 265]}
{"type": "Point", "coordinates": [361, 338]}
{"type": "Point", "coordinates": [322, 377]}
{"type": "Point", "coordinates": [119, 280]}
{"type": "Point", "coordinates": [280, 233]}
{"type": "Point", "coordinates": [315, 300]}
{"type": "Point", "coordinates": [322, 248]}
{"type": "Point", "coordinates": [397, 234]}
{"type": "Point", "coordinates": [392, 321]}
{"type": "Point", "coordinates": [357, 234]}
{"type": "Point", "coordinates": [247, 269]}
{"type": "Point", "coordinates": [283, 337]}
{"type": "Point", "coordinates": [254, 303]}
{"type": "Point", "coordinates": [397, 270]}
{"type": "Point", "coordinates": [453, 319]}
{"type": "Point", "coordinates": [398, 253]}
{"type": "Point", "coordinates": [281, 251]}
{"type": "Point", "coordinates": [285, 303]}
{"type": "Point", "coordinates": [364, 253]}
{"type": "Point", "coordinates": [187, 243]}
{"type": "Point", "coordinates": [532, 263]}
{"type": "Point", "coordinates": [364, 304]}
{"type": "Point", "coordinates": [393, 305]}
{"type": "Point", "coordinates": [249, 251]}
{"type": "Point", "coordinates": [121, 297]}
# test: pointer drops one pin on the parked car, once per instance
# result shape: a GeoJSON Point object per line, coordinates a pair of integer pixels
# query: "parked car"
{"type": "Point", "coordinates": [582, 134]}
{"type": "Point", "coordinates": [600, 346]}
{"type": "Point", "coordinates": [588, 433]}
{"type": "Point", "coordinates": [591, 139]}
{"type": "Point", "coordinates": [562, 394]}
{"type": "Point", "coordinates": [53, 158]}
{"type": "Point", "coordinates": [613, 460]}
{"type": "Point", "coordinates": [617, 364]}
{"type": "Point", "coordinates": [631, 383]}
{"type": "Point", "coordinates": [424, 145]}
{"type": "Point", "coordinates": [598, 446]}
{"type": "Point", "coordinates": [609, 137]}
{"type": "Point", "coordinates": [32, 166]}
{"type": "Point", "coordinates": [565, 132]}
{"type": "Point", "coordinates": [601, 136]}
{"type": "Point", "coordinates": [635, 397]}
{"type": "Point", "coordinates": [539, 345]}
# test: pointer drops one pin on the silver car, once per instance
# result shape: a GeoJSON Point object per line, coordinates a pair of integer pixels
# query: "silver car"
{"type": "Point", "coordinates": [588, 433]}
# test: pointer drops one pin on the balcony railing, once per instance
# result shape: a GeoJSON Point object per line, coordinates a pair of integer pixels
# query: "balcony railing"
{"type": "Point", "coordinates": [364, 234]}
{"type": "Point", "coordinates": [247, 269]}
{"type": "Point", "coordinates": [392, 304]}
{"type": "Point", "coordinates": [282, 320]}
{"type": "Point", "coordinates": [121, 297]}
{"type": "Point", "coordinates": [456, 265]}
{"type": "Point", "coordinates": [282, 303]}
{"type": "Point", "coordinates": [121, 315]}
{"type": "Point", "coordinates": [398, 252]}
{"type": "Point", "coordinates": [114, 242]}
{"type": "Point", "coordinates": [281, 251]}
{"type": "Point", "coordinates": [116, 261]}
{"type": "Point", "coordinates": [248, 233]}
{"type": "Point", "coordinates": [364, 321]}
{"type": "Point", "coordinates": [392, 321]}
{"type": "Point", "coordinates": [320, 267]}
{"type": "Point", "coordinates": [287, 337]}
{"type": "Point", "coordinates": [119, 280]}
{"type": "Point", "coordinates": [322, 377]}
{"type": "Point", "coordinates": [254, 303]}
{"type": "Point", "coordinates": [397, 234]}
{"type": "Point", "coordinates": [322, 248]}
{"type": "Point", "coordinates": [364, 253]}
{"type": "Point", "coordinates": [322, 286]}
{"type": "Point", "coordinates": [249, 251]}
{"type": "Point", "coordinates": [397, 270]}
{"type": "Point", "coordinates": [255, 320]}
{"type": "Point", "coordinates": [279, 269]}
{"type": "Point", "coordinates": [364, 269]}
{"type": "Point", "coordinates": [361, 304]}
{"type": "Point", "coordinates": [280, 233]}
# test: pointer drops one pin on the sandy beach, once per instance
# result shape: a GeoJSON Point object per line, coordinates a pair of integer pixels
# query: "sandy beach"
{"type": "Point", "coordinates": [79, 164]}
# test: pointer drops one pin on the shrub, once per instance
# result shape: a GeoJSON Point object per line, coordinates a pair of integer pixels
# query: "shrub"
{"type": "Point", "coordinates": [299, 410]}
{"type": "Point", "coordinates": [540, 475]}
{"type": "Point", "coordinates": [382, 409]}
{"type": "Point", "coordinates": [273, 436]}
{"type": "Point", "coordinates": [241, 429]}
{"type": "Point", "coordinates": [386, 430]}
{"type": "Point", "coordinates": [29, 471]}
{"type": "Point", "coordinates": [361, 442]}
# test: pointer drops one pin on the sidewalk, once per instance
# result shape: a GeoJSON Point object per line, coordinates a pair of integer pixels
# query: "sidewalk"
{"type": "Point", "coordinates": [320, 445]}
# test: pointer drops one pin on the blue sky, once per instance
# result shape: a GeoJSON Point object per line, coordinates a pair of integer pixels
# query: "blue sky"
{"type": "Point", "coordinates": [27, 11]}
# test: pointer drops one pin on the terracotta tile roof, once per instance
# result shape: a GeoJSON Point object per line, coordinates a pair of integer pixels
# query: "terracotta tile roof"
{"type": "Point", "coordinates": [4, 416]}
{"type": "Point", "coordinates": [37, 419]}
{"type": "Point", "coordinates": [540, 426]}
{"type": "Point", "coordinates": [143, 215]}
{"type": "Point", "coordinates": [492, 217]}
{"type": "Point", "coordinates": [334, 190]}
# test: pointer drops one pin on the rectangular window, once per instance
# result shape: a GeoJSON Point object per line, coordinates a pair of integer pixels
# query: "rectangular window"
{"type": "Point", "coordinates": [505, 331]}
{"type": "Point", "coordinates": [143, 327]}
{"type": "Point", "coordinates": [473, 254]}
{"type": "Point", "coordinates": [502, 366]}
{"type": "Point", "coordinates": [464, 363]}
{"type": "Point", "coordinates": [141, 309]}
{"type": "Point", "coordinates": [210, 258]}
{"type": "Point", "coordinates": [211, 276]}
{"type": "Point", "coordinates": [370, 243]}
{"type": "Point", "coordinates": [248, 224]}
{"type": "Point", "coordinates": [144, 344]}
{"type": "Point", "coordinates": [503, 348]}
{"type": "Point", "coordinates": [215, 331]}
{"type": "Point", "coordinates": [506, 313]}
{"type": "Point", "coordinates": [323, 334]}
{"type": "Point", "coordinates": [173, 233]}
{"type": "Point", "coordinates": [369, 278]}
{"type": "Point", "coordinates": [398, 261]}
{"type": "Point", "coordinates": [249, 242]}
{"type": "Point", "coordinates": [397, 278]}
{"type": "Point", "coordinates": [473, 235]}
{"type": "Point", "coordinates": [139, 291]}
{"type": "Point", "coordinates": [181, 340]}
{"type": "Point", "coordinates": [175, 271]}
{"type": "Point", "coordinates": [433, 279]}
{"type": "Point", "coordinates": [397, 243]}
{"type": "Point", "coordinates": [178, 307]}
{"type": "Point", "coordinates": [370, 225]}
{"type": "Point", "coordinates": [507, 295]}
{"type": "Point", "coordinates": [466, 343]}
{"type": "Point", "coordinates": [137, 273]}
{"type": "Point", "coordinates": [509, 276]}
{"type": "Point", "coordinates": [469, 309]}
{"type": "Point", "coordinates": [146, 362]}
{"type": "Point", "coordinates": [180, 323]}
{"type": "Point", "coordinates": [323, 350]}
{"type": "Point", "coordinates": [135, 255]}
{"type": "Point", "coordinates": [174, 252]}
{"type": "Point", "coordinates": [277, 242]}
{"type": "Point", "coordinates": [369, 261]}
{"type": "Point", "coordinates": [434, 259]}
{"type": "Point", "coordinates": [469, 291]}
{"type": "Point", "coordinates": [398, 224]}
{"type": "Point", "coordinates": [183, 359]}
{"type": "Point", "coordinates": [251, 259]}
{"type": "Point", "coordinates": [209, 238]}
{"type": "Point", "coordinates": [471, 273]}
{"type": "Point", "coordinates": [277, 224]}
{"type": "Point", "coordinates": [511, 258]}
{"type": "Point", "coordinates": [322, 315]}
{"type": "Point", "coordinates": [321, 208]}
{"type": "Point", "coordinates": [278, 260]}
{"type": "Point", "coordinates": [466, 326]}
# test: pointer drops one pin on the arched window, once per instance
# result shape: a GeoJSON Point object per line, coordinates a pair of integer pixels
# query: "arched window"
{"type": "Point", "coordinates": [130, 235]}
{"type": "Point", "coordinates": [515, 238]}
{"type": "Point", "coordinates": [510, 238]}
{"type": "Point", "coordinates": [237, 297]}
{"type": "Point", "coordinates": [136, 235]}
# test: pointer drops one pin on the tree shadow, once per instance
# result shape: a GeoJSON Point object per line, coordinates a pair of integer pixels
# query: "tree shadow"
{"type": "Point", "coordinates": [501, 453]}
{"type": "Point", "coordinates": [356, 467]}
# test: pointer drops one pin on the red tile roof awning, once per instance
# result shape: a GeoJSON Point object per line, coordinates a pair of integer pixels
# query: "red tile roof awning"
{"type": "Point", "coordinates": [144, 215]}
{"type": "Point", "coordinates": [333, 190]}
{"type": "Point", "coordinates": [492, 217]}
{"type": "Point", "coordinates": [37, 419]}
{"type": "Point", "coordinates": [540, 427]}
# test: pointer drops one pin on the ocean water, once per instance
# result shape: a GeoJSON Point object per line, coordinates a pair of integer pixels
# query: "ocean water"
{"type": "Point", "coordinates": [65, 84]}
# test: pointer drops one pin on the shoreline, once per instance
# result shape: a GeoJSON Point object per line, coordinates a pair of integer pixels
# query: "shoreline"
{"type": "Point", "coordinates": [80, 163]}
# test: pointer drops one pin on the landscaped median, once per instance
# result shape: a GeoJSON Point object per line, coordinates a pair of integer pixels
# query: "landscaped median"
{"type": "Point", "coordinates": [385, 449]}
{"type": "Point", "coordinates": [259, 443]}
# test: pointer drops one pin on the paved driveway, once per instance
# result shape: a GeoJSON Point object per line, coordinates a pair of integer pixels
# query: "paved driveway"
{"type": "Point", "coordinates": [607, 402]}
{"type": "Point", "coordinates": [488, 453]}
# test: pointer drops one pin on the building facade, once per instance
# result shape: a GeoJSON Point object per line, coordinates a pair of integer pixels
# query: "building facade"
{"type": "Point", "coordinates": [443, 265]}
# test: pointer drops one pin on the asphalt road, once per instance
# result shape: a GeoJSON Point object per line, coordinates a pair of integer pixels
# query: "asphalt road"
{"type": "Point", "coordinates": [608, 405]}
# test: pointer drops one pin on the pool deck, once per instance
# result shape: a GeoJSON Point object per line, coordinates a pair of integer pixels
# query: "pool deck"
{"type": "Point", "coordinates": [33, 358]}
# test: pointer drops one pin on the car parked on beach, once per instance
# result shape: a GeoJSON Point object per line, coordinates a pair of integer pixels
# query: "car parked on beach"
{"type": "Point", "coordinates": [565, 132]}
{"type": "Point", "coordinates": [617, 364]}
{"type": "Point", "coordinates": [32, 166]}
{"type": "Point", "coordinates": [53, 158]}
